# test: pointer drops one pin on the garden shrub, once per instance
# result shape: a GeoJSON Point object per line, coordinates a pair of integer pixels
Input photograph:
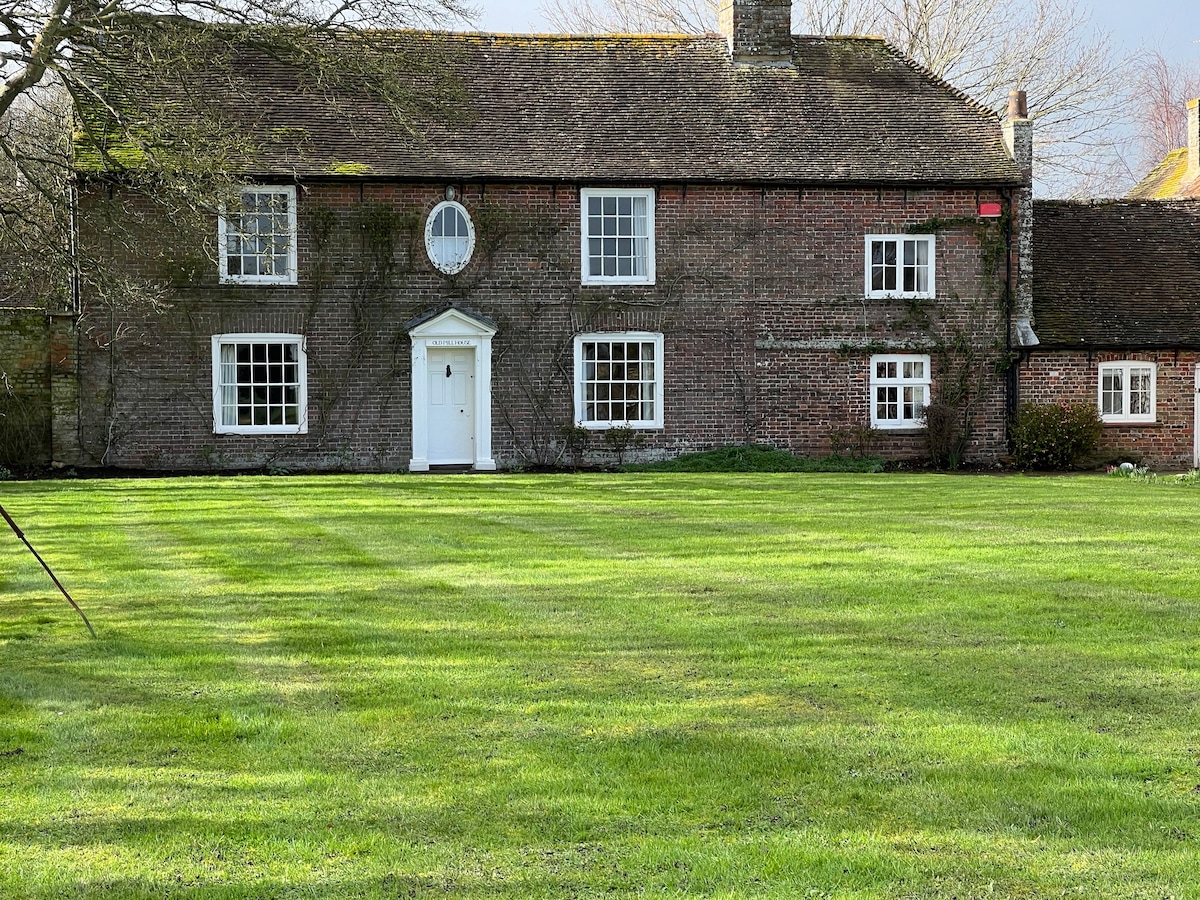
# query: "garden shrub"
{"type": "Point", "coordinates": [946, 428]}
{"type": "Point", "coordinates": [1053, 436]}
{"type": "Point", "coordinates": [857, 441]}
{"type": "Point", "coordinates": [621, 439]}
{"type": "Point", "coordinates": [575, 441]}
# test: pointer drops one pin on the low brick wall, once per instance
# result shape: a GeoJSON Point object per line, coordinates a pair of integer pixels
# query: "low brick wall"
{"type": "Point", "coordinates": [24, 388]}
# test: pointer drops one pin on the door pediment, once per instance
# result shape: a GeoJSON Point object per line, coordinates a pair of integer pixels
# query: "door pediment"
{"type": "Point", "coordinates": [452, 322]}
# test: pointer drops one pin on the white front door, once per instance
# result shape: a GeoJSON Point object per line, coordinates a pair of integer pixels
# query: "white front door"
{"type": "Point", "coordinates": [451, 420]}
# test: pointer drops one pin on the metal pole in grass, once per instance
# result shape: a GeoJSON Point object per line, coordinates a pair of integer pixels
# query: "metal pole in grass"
{"type": "Point", "coordinates": [24, 540]}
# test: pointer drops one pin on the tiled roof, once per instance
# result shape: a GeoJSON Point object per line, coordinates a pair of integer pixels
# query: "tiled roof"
{"type": "Point", "coordinates": [613, 108]}
{"type": "Point", "coordinates": [1165, 181]}
{"type": "Point", "coordinates": [1116, 274]}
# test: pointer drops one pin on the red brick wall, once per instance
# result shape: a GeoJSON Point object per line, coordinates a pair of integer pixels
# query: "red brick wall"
{"type": "Point", "coordinates": [1058, 376]}
{"type": "Point", "coordinates": [759, 293]}
{"type": "Point", "coordinates": [25, 361]}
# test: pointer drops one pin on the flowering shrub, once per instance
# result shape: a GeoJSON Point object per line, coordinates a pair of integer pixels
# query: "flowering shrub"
{"type": "Point", "coordinates": [1054, 435]}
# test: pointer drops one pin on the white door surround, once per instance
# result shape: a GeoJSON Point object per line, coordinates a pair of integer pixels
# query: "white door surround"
{"type": "Point", "coordinates": [452, 407]}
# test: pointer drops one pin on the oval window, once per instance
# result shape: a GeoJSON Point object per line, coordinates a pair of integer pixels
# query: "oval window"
{"type": "Point", "coordinates": [449, 237]}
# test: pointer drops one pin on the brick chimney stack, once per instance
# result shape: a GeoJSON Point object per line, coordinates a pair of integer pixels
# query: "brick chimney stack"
{"type": "Point", "coordinates": [759, 32]}
{"type": "Point", "coordinates": [1193, 143]}
{"type": "Point", "coordinates": [1018, 108]}
{"type": "Point", "coordinates": [1018, 138]}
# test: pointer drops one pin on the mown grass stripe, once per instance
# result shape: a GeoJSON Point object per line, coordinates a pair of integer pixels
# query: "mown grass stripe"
{"type": "Point", "coordinates": [746, 685]}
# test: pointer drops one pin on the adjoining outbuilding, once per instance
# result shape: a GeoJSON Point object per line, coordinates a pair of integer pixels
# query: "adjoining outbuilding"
{"type": "Point", "coordinates": [1116, 307]}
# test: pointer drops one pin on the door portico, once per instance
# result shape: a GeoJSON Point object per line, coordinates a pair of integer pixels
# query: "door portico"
{"type": "Point", "coordinates": [452, 391]}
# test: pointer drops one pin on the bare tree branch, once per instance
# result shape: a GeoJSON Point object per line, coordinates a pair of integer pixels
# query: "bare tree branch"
{"type": "Point", "coordinates": [1159, 91]}
{"type": "Point", "coordinates": [81, 64]}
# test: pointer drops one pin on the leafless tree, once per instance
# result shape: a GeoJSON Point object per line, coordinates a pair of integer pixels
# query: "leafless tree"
{"type": "Point", "coordinates": [1159, 91]}
{"type": "Point", "coordinates": [631, 16]}
{"type": "Point", "coordinates": [38, 38]}
{"type": "Point", "coordinates": [696, 16]}
{"type": "Point", "coordinates": [34, 213]}
{"type": "Point", "coordinates": [835, 17]}
{"type": "Point", "coordinates": [81, 63]}
{"type": "Point", "coordinates": [986, 48]}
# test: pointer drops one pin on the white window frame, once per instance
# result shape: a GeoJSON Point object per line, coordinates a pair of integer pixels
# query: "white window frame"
{"type": "Point", "coordinates": [219, 385]}
{"type": "Point", "coordinates": [1126, 367]}
{"type": "Point", "coordinates": [581, 380]}
{"type": "Point", "coordinates": [436, 244]}
{"type": "Point", "coordinates": [898, 267]}
{"type": "Point", "coordinates": [900, 383]}
{"type": "Point", "coordinates": [586, 195]}
{"type": "Point", "coordinates": [226, 230]}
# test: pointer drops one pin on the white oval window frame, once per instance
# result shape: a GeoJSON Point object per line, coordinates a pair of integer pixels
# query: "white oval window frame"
{"type": "Point", "coordinates": [438, 264]}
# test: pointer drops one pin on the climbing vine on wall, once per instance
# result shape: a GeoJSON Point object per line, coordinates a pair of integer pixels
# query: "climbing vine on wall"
{"type": "Point", "coordinates": [365, 261]}
{"type": "Point", "coordinates": [966, 367]}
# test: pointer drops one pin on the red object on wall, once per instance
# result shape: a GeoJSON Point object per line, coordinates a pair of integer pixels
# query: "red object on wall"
{"type": "Point", "coordinates": [989, 210]}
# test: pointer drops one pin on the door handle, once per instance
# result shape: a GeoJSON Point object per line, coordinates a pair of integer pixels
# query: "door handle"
{"type": "Point", "coordinates": [447, 371]}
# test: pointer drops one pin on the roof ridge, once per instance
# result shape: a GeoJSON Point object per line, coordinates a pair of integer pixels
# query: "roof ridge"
{"type": "Point", "coordinates": [1097, 202]}
{"type": "Point", "coordinates": [875, 38]}
{"type": "Point", "coordinates": [564, 37]}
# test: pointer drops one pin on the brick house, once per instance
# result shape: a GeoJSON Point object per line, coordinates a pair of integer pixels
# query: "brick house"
{"type": "Point", "coordinates": [1177, 175]}
{"type": "Point", "coordinates": [1114, 306]}
{"type": "Point", "coordinates": [742, 237]}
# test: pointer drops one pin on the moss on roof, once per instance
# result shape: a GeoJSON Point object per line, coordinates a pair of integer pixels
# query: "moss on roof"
{"type": "Point", "coordinates": [576, 108]}
{"type": "Point", "coordinates": [1164, 180]}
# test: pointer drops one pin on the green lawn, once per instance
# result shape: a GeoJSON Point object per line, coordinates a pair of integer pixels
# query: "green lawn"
{"type": "Point", "coordinates": [652, 685]}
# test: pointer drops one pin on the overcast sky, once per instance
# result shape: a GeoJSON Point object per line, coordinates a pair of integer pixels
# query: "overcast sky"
{"type": "Point", "coordinates": [1174, 25]}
